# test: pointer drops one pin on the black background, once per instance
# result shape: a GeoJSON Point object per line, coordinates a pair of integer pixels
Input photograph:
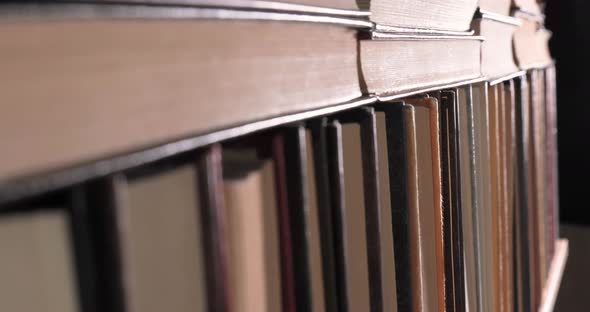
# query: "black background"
{"type": "Point", "coordinates": [569, 21]}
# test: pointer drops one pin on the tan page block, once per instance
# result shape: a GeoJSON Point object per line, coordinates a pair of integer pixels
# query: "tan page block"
{"type": "Point", "coordinates": [37, 263]}
{"type": "Point", "coordinates": [161, 243]}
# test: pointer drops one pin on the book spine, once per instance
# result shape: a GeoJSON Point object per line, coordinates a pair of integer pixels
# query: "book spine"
{"type": "Point", "coordinates": [214, 229]}
{"type": "Point", "coordinates": [372, 209]}
{"type": "Point", "coordinates": [326, 217]}
{"type": "Point", "coordinates": [334, 135]}
{"type": "Point", "coordinates": [296, 179]}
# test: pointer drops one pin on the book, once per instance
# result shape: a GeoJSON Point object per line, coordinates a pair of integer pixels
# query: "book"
{"type": "Point", "coordinates": [456, 58]}
{"type": "Point", "coordinates": [523, 200]}
{"type": "Point", "coordinates": [372, 200]}
{"type": "Point", "coordinates": [305, 218]}
{"type": "Point", "coordinates": [497, 59]}
{"type": "Point", "coordinates": [501, 7]}
{"type": "Point", "coordinates": [531, 44]}
{"type": "Point", "coordinates": [84, 249]}
{"type": "Point", "coordinates": [497, 225]}
{"type": "Point", "coordinates": [552, 167]}
{"type": "Point", "coordinates": [528, 227]}
{"type": "Point", "coordinates": [361, 191]}
{"type": "Point", "coordinates": [315, 227]}
{"type": "Point", "coordinates": [160, 56]}
{"type": "Point", "coordinates": [388, 258]}
{"type": "Point", "coordinates": [451, 196]}
{"type": "Point", "coordinates": [337, 7]}
{"type": "Point", "coordinates": [349, 209]}
{"type": "Point", "coordinates": [330, 238]}
{"type": "Point", "coordinates": [416, 281]}
{"type": "Point", "coordinates": [469, 201]}
{"type": "Point", "coordinates": [432, 106]}
{"type": "Point", "coordinates": [403, 187]}
{"type": "Point", "coordinates": [162, 250]}
{"type": "Point", "coordinates": [502, 197]}
{"type": "Point", "coordinates": [502, 112]}
{"type": "Point", "coordinates": [254, 264]}
{"type": "Point", "coordinates": [538, 129]}
{"type": "Point", "coordinates": [531, 7]}
{"type": "Point", "coordinates": [482, 166]}
{"type": "Point", "coordinates": [509, 167]}
{"type": "Point", "coordinates": [37, 262]}
{"type": "Point", "coordinates": [300, 217]}
{"type": "Point", "coordinates": [534, 264]}
{"type": "Point", "coordinates": [429, 200]}
{"type": "Point", "coordinates": [424, 14]}
{"type": "Point", "coordinates": [286, 232]}
{"type": "Point", "coordinates": [214, 227]}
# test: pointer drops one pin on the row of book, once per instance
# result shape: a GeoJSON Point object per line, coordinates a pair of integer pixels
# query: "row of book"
{"type": "Point", "coordinates": [444, 201]}
{"type": "Point", "coordinates": [243, 155]}
{"type": "Point", "coordinates": [185, 64]}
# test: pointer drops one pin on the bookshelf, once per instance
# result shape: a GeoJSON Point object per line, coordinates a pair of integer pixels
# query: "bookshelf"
{"type": "Point", "coordinates": [246, 155]}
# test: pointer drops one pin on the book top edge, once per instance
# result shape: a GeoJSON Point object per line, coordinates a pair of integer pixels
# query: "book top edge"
{"type": "Point", "coordinates": [244, 4]}
{"type": "Point", "coordinates": [57, 11]}
{"type": "Point", "coordinates": [385, 29]}
{"type": "Point", "coordinates": [500, 18]}
{"type": "Point", "coordinates": [422, 36]}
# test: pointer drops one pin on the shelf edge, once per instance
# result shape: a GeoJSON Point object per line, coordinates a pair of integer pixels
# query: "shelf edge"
{"type": "Point", "coordinates": [555, 274]}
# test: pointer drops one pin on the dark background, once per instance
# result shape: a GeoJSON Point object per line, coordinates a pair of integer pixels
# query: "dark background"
{"type": "Point", "coordinates": [569, 21]}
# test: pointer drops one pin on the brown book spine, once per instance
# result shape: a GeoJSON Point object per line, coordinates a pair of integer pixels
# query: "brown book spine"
{"type": "Point", "coordinates": [104, 198]}
{"type": "Point", "coordinates": [497, 237]}
{"type": "Point", "coordinates": [503, 209]}
{"type": "Point", "coordinates": [416, 270]}
{"type": "Point", "coordinates": [524, 198]}
{"type": "Point", "coordinates": [403, 205]}
{"type": "Point", "coordinates": [447, 237]}
{"type": "Point", "coordinates": [433, 108]}
{"type": "Point", "coordinates": [552, 172]}
{"type": "Point", "coordinates": [334, 138]}
{"type": "Point", "coordinates": [510, 134]}
{"type": "Point", "coordinates": [537, 133]}
{"type": "Point", "coordinates": [285, 238]}
{"type": "Point", "coordinates": [214, 229]}
{"type": "Point", "coordinates": [532, 204]}
{"type": "Point", "coordinates": [86, 255]}
{"type": "Point", "coordinates": [296, 182]}
{"type": "Point", "coordinates": [365, 118]}
{"type": "Point", "coordinates": [372, 205]}
{"type": "Point", "coordinates": [326, 218]}
{"type": "Point", "coordinates": [438, 211]}
{"type": "Point", "coordinates": [450, 124]}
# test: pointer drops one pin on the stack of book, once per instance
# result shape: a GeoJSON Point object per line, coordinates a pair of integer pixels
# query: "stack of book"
{"type": "Point", "coordinates": [302, 155]}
